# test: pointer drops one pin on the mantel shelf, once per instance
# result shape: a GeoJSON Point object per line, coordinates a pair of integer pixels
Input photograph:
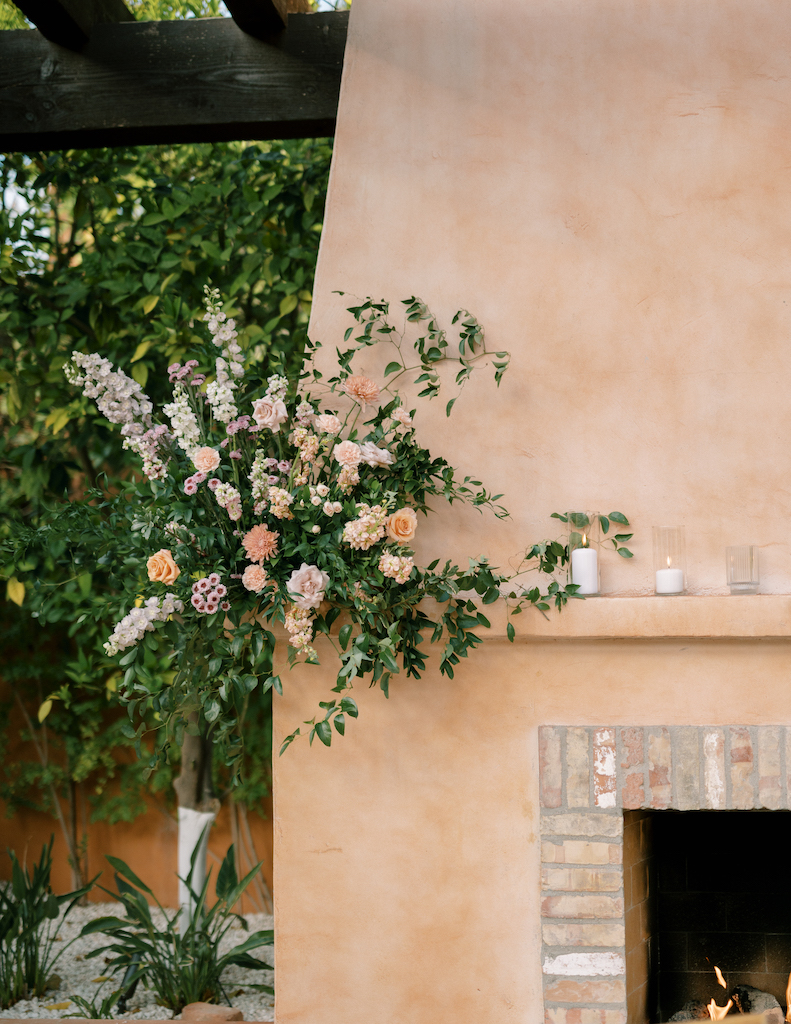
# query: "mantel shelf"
{"type": "Point", "coordinates": [749, 617]}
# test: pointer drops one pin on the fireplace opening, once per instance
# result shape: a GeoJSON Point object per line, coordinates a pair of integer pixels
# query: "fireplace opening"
{"type": "Point", "coordinates": [706, 889]}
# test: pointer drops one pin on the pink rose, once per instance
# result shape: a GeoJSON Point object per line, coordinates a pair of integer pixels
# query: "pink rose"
{"type": "Point", "coordinates": [206, 460]}
{"type": "Point", "coordinates": [327, 423]}
{"type": "Point", "coordinates": [270, 413]}
{"type": "Point", "coordinates": [348, 453]}
{"type": "Point", "coordinates": [306, 586]}
{"type": "Point", "coordinates": [374, 456]}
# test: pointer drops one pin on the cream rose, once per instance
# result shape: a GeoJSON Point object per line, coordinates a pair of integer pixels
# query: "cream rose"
{"type": "Point", "coordinates": [270, 413]}
{"type": "Point", "coordinates": [401, 525]}
{"type": "Point", "coordinates": [306, 586]}
{"type": "Point", "coordinates": [162, 568]}
{"type": "Point", "coordinates": [374, 456]}
{"type": "Point", "coordinates": [348, 453]}
{"type": "Point", "coordinates": [206, 460]}
{"type": "Point", "coordinates": [326, 423]}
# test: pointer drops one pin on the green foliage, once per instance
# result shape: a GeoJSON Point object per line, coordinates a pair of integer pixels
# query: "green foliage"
{"type": "Point", "coordinates": [98, 1007]}
{"type": "Point", "coordinates": [430, 348]}
{"type": "Point", "coordinates": [550, 556]}
{"type": "Point", "coordinates": [29, 918]}
{"type": "Point", "coordinates": [109, 250]}
{"type": "Point", "coordinates": [180, 968]}
{"type": "Point", "coordinates": [580, 520]}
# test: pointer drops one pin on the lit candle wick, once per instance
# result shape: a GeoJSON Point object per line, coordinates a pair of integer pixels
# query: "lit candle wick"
{"type": "Point", "coordinates": [584, 540]}
{"type": "Point", "coordinates": [668, 561]}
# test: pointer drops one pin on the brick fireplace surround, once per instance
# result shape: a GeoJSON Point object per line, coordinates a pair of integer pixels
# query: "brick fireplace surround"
{"type": "Point", "coordinates": [597, 786]}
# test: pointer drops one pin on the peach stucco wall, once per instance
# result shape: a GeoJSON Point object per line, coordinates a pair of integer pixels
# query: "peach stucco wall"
{"type": "Point", "coordinates": [605, 184]}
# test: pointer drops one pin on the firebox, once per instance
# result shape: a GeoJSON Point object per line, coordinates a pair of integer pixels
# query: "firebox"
{"type": "Point", "coordinates": [721, 898]}
{"type": "Point", "coordinates": [663, 858]}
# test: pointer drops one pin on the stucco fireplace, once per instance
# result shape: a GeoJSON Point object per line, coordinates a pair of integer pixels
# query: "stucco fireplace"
{"type": "Point", "coordinates": [605, 186]}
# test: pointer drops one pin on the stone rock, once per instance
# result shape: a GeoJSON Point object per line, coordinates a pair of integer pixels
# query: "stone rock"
{"type": "Point", "coordinates": [210, 1012]}
{"type": "Point", "coordinates": [753, 1000]}
{"type": "Point", "coordinates": [54, 981]}
{"type": "Point", "coordinates": [693, 1010]}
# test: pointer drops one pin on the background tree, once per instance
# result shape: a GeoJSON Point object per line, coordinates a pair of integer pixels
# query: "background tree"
{"type": "Point", "coordinates": [109, 251]}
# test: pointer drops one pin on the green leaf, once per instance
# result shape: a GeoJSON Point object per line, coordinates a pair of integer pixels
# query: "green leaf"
{"type": "Point", "coordinates": [510, 631]}
{"type": "Point", "coordinates": [344, 635]}
{"type": "Point", "coordinates": [324, 733]}
{"type": "Point", "coordinates": [226, 877]}
{"type": "Point", "coordinates": [392, 368]}
{"type": "Point", "coordinates": [605, 524]}
{"type": "Point", "coordinates": [623, 537]}
{"type": "Point", "coordinates": [141, 350]}
{"type": "Point", "coordinates": [288, 304]}
{"type": "Point", "coordinates": [211, 249]}
{"type": "Point", "coordinates": [625, 553]}
{"type": "Point", "coordinates": [449, 406]}
{"type": "Point", "coordinates": [126, 872]}
{"type": "Point", "coordinates": [619, 517]}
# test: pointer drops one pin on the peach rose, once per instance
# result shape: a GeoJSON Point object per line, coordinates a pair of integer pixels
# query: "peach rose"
{"type": "Point", "coordinates": [401, 525]}
{"type": "Point", "coordinates": [348, 453]}
{"type": "Point", "coordinates": [254, 578]}
{"type": "Point", "coordinates": [270, 413]}
{"type": "Point", "coordinates": [162, 568]}
{"type": "Point", "coordinates": [206, 460]}
{"type": "Point", "coordinates": [326, 423]}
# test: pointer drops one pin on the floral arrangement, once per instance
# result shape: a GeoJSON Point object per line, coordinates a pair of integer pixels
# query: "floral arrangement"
{"type": "Point", "coordinates": [292, 501]}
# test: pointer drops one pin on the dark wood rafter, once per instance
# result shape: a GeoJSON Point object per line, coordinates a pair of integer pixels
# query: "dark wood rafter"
{"type": "Point", "coordinates": [200, 80]}
{"type": "Point", "coordinates": [70, 22]}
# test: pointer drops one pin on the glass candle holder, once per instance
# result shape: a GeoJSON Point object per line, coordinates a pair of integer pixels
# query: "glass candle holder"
{"type": "Point", "coordinates": [584, 538]}
{"type": "Point", "coordinates": [741, 568]}
{"type": "Point", "coordinates": [670, 560]}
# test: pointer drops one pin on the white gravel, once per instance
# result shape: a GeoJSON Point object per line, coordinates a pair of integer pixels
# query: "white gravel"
{"type": "Point", "coordinates": [83, 977]}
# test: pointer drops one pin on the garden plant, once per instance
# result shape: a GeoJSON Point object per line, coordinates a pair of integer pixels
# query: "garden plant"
{"type": "Point", "coordinates": [181, 967]}
{"type": "Point", "coordinates": [30, 914]}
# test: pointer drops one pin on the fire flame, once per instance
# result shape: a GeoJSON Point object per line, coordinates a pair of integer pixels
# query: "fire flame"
{"type": "Point", "coordinates": [719, 1012]}
{"type": "Point", "coordinates": [584, 540]}
{"type": "Point", "coordinates": [668, 561]}
{"type": "Point", "coordinates": [788, 999]}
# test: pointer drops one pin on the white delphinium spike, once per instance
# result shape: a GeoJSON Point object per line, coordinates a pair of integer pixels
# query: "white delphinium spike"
{"type": "Point", "coordinates": [117, 396]}
{"type": "Point", "coordinates": [219, 393]}
{"type": "Point", "coordinates": [183, 421]}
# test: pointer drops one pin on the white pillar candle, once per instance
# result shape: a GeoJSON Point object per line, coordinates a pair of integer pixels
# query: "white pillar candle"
{"type": "Point", "coordinates": [585, 570]}
{"type": "Point", "coordinates": [669, 581]}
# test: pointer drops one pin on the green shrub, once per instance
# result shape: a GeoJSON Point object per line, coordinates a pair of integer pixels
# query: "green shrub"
{"type": "Point", "coordinates": [29, 913]}
{"type": "Point", "coordinates": [181, 969]}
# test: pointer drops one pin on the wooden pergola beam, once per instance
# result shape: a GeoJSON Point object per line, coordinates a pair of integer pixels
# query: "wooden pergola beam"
{"type": "Point", "coordinates": [201, 80]}
{"type": "Point", "coordinates": [70, 22]}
